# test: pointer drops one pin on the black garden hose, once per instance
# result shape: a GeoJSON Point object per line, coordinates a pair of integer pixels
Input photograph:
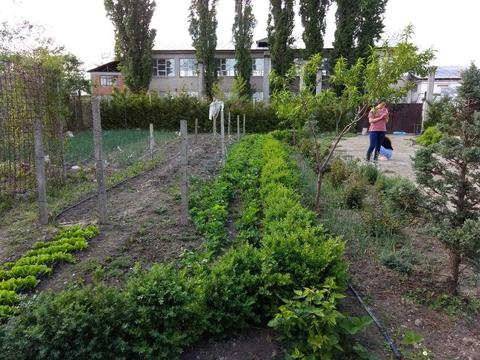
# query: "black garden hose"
{"type": "Point", "coordinates": [389, 340]}
{"type": "Point", "coordinates": [84, 200]}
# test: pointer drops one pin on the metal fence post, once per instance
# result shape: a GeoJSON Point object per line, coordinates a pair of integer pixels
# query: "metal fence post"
{"type": "Point", "coordinates": [184, 180]}
{"type": "Point", "coordinates": [97, 141]}
{"type": "Point", "coordinates": [40, 172]}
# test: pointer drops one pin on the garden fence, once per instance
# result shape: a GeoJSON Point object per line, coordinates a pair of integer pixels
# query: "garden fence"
{"type": "Point", "coordinates": [28, 94]}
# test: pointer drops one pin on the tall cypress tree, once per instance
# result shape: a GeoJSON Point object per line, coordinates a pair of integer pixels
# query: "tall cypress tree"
{"type": "Point", "coordinates": [313, 13]}
{"type": "Point", "coordinates": [133, 40]}
{"type": "Point", "coordinates": [369, 25]}
{"type": "Point", "coordinates": [243, 39]}
{"type": "Point", "coordinates": [280, 27]}
{"type": "Point", "coordinates": [359, 25]}
{"type": "Point", "coordinates": [203, 29]}
{"type": "Point", "coordinates": [346, 21]}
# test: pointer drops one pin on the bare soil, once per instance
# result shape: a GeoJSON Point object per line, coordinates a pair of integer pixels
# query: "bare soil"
{"type": "Point", "coordinates": [253, 344]}
{"type": "Point", "coordinates": [388, 293]}
{"type": "Point", "coordinates": [144, 218]}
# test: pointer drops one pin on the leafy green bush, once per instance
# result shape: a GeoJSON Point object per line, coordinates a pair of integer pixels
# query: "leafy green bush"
{"type": "Point", "coordinates": [430, 136]}
{"type": "Point", "coordinates": [339, 172]}
{"type": "Point", "coordinates": [312, 325]}
{"type": "Point", "coordinates": [87, 323]}
{"type": "Point", "coordinates": [167, 312]}
{"type": "Point", "coordinates": [232, 290]}
{"type": "Point", "coordinates": [355, 191]}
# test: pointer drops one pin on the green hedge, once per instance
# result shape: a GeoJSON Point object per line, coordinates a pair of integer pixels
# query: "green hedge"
{"type": "Point", "coordinates": [137, 111]}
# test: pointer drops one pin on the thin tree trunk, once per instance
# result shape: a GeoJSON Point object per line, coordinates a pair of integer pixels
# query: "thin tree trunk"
{"type": "Point", "coordinates": [319, 190]}
{"type": "Point", "coordinates": [454, 264]}
{"type": "Point", "coordinates": [323, 167]}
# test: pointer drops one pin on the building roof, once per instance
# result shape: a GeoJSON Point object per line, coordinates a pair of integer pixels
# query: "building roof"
{"type": "Point", "coordinates": [447, 73]}
{"type": "Point", "coordinates": [112, 66]}
{"type": "Point", "coordinates": [262, 43]}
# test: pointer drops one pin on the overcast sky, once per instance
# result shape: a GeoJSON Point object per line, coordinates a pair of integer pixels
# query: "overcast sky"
{"type": "Point", "coordinates": [450, 27]}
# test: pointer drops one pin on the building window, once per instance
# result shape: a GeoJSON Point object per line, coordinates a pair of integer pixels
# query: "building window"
{"type": "Point", "coordinates": [257, 67]}
{"type": "Point", "coordinates": [188, 67]}
{"type": "Point", "coordinates": [226, 67]}
{"type": "Point", "coordinates": [163, 67]}
{"type": "Point", "coordinates": [108, 80]}
{"type": "Point", "coordinates": [257, 96]}
{"type": "Point", "coordinates": [444, 90]}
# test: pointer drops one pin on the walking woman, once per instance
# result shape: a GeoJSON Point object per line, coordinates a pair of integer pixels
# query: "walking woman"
{"type": "Point", "coordinates": [378, 118]}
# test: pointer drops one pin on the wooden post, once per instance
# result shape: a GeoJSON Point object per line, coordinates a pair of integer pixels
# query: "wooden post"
{"type": "Point", "coordinates": [151, 142]}
{"type": "Point", "coordinates": [229, 126]}
{"type": "Point", "coordinates": [40, 172]}
{"type": "Point", "coordinates": [238, 127]}
{"type": "Point", "coordinates": [184, 180]}
{"type": "Point", "coordinates": [97, 141]}
{"type": "Point", "coordinates": [244, 124]}
{"type": "Point", "coordinates": [222, 134]}
{"type": "Point", "coordinates": [196, 129]}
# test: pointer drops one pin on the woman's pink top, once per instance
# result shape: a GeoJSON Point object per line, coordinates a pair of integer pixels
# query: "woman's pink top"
{"type": "Point", "coordinates": [381, 116]}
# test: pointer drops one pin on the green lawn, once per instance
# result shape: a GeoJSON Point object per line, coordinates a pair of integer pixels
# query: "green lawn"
{"type": "Point", "coordinates": [121, 146]}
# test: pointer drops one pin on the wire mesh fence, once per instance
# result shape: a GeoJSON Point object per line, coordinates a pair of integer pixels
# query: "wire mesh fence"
{"type": "Point", "coordinates": [28, 94]}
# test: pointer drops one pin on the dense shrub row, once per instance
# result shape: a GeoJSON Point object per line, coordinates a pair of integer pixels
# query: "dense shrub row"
{"type": "Point", "coordinates": [165, 309]}
{"type": "Point", "coordinates": [23, 274]}
{"type": "Point", "coordinates": [137, 111]}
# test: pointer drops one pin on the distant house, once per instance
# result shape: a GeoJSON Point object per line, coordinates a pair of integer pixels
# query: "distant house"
{"type": "Point", "coordinates": [175, 71]}
{"type": "Point", "coordinates": [447, 81]}
{"type": "Point", "coordinates": [105, 78]}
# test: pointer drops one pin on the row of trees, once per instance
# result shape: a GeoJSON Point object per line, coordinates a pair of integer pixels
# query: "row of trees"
{"type": "Point", "coordinates": [359, 26]}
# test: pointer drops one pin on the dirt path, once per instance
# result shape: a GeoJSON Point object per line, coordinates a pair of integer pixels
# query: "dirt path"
{"type": "Point", "coordinates": [400, 164]}
{"type": "Point", "coordinates": [144, 217]}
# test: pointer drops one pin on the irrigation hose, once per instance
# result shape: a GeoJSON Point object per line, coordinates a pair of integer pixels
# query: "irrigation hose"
{"type": "Point", "coordinates": [94, 195]}
{"type": "Point", "coordinates": [389, 340]}
{"type": "Point", "coordinates": [84, 200]}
